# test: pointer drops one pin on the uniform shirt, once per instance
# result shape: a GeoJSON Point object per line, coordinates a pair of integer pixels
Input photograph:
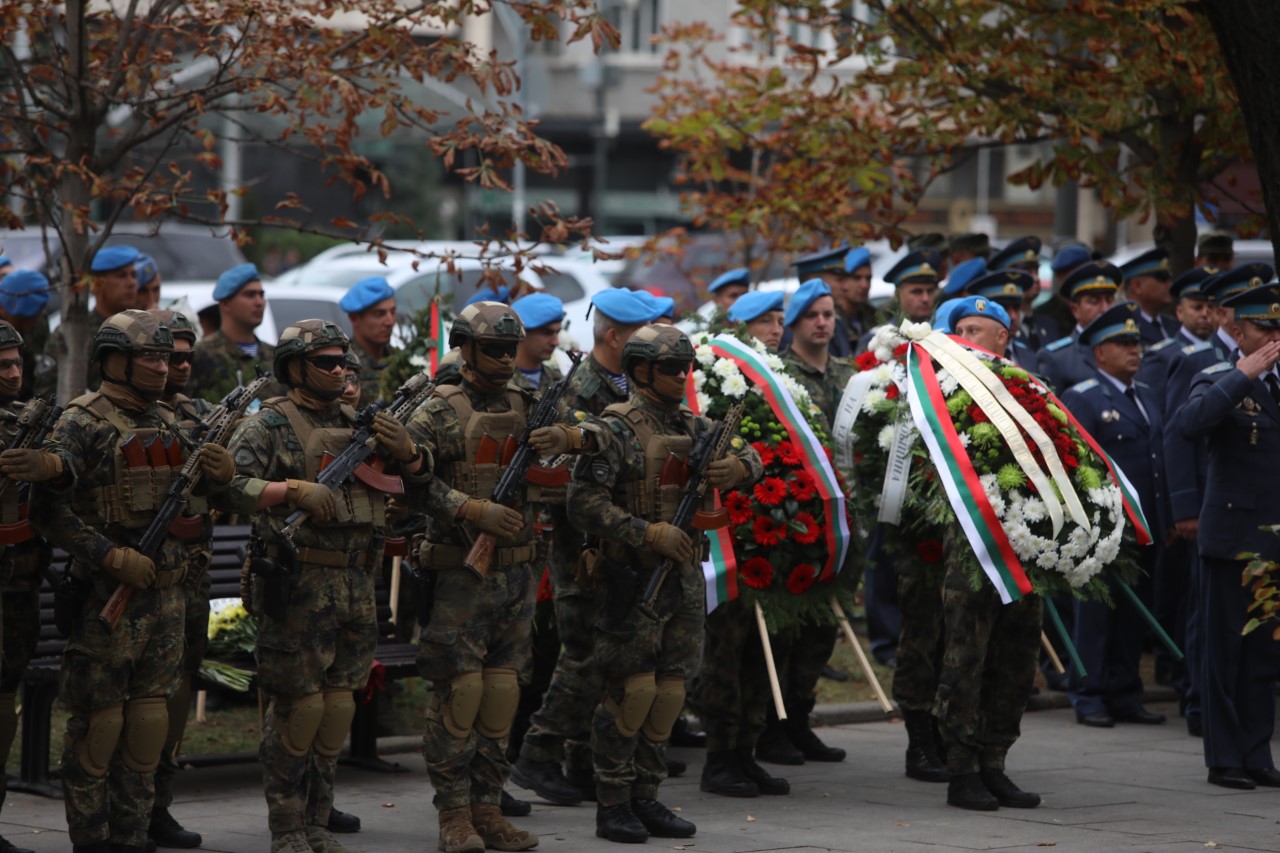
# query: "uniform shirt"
{"type": "Point", "coordinates": [55, 349]}
{"type": "Point", "coordinates": [591, 389]}
{"type": "Point", "coordinates": [370, 372]}
{"type": "Point", "coordinates": [219, 365]}
{"type": "Point", "coordinates": [825, 387]}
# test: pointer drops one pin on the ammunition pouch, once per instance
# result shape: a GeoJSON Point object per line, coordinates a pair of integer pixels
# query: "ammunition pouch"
{"type": "Point", "coordinates": [69, 598]}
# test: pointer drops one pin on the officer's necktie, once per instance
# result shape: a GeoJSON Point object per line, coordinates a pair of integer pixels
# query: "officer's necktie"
{"type": "Point", "coordinates": [1273, 385]}
{"type": "Point", "coordinates": [1132, 394]}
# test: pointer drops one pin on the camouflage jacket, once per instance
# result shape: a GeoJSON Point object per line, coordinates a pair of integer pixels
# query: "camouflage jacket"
{"type": "Point", "coordinates": [824, 387]}
{"type": "Point", "coordinates": [597, 492]}
{"type": "Point", "coordinates": [591, 390]}
{"type": "Point", "coordinates": [218, 366]}
{"type": "Point", "coordinates": [55, 350]}
{"type": "Point", "coordinates": [550, 375]}
{"type": "Point", "coordinates": [371, 370]}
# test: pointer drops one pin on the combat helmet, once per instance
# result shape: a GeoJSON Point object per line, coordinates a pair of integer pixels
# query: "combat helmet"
{"type": "Point", "coordinates": [306, 336]}
{"type": "Point", "coordinates": [655, 343]}
{"type": "Point", "coordinates": [352, 362]}
{"type": "Point", "coordinates": [485, 320]}
{"type": "Point", "coordinates": [9, 337]}
{"type": "Point", "coordinates": [131, 331]}
{"type": "Point", "coordinates": [180, 326]}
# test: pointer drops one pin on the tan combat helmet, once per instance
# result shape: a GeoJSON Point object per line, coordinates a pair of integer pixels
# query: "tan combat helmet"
{"type": "Point", "coordinates": [131, 331]}
{"type": "Point", "coordinates": [485, 321]}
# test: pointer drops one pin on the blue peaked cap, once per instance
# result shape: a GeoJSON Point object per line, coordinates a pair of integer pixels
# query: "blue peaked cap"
{"type": "Point", "coordinates": [962, 274]}
{"type": "Point", "coordinates": [230, 282]}
{"type": "Point", "coordinates": [24, 293]}
{"type": "Point", "coordinates": [1118, 323]}
{"type": "Point", "coordinates": [751, 305]}
{"type": "Point", "coordinates": [366, 293]}
{"type": "Point", "coordinates": [113, 258]}
{"type": "Point", "coordinates": [805, 295]}
{"type": "Point", "coordinates": [536, 310]}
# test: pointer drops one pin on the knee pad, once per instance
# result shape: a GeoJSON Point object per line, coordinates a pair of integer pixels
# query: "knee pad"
{"type": "Point", "coordinates": [146, 724]}
{"type": "Point", "coordinates": [339, 711]}
{"type": "Point", "coordinates": [638, 693]}
{"type": "Point", "coordinates": [8, 725]}
{"type": "Point", "coordinates": [498, 704]}
{"type": "Point", "coordinates": [95, 749]}
{"type": "Point", "coordinates": [459, 712]}
{"type": "Point", "coordinates": [298, 729]}
{"type": "Point", "coordinates": [668, 701]}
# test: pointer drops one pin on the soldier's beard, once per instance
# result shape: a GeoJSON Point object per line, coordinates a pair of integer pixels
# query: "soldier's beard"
{"type": "Point", "coordinates": [9, 388]}
{"type": "Point", "coordinates": [131, 384]}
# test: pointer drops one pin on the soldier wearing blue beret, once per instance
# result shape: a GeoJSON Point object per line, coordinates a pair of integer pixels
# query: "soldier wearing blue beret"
{"type": "Point", "coordinates": [1008, 288]}
{"type": "Point", "coordinates": [728, 287]}
{"type": "Point", "coordinates": [1147, 280]}
{"type": "Point", "coordinates": [1088, 292]}
{"type": "Point", "coordinates": [371, 306]}
{"type": "Point", "coordinates": [23, 297]}
{"type": "Point", "coordinates": [1125, 416]}
{"type": "Point", "coordinates": [663, 308]}
{"type": "Point", "coordinates": [832, 266]}
{"type": "Point", "coordinates": [542, 315]}
{"type": "Point", "coordinates": [231, 355]}
{"type": "Point", "coordinates": [1234, 407]}
{"type": "Point", "coordinates": [761, 313]}
{"type": "Point", "coordinates": [148, 275]}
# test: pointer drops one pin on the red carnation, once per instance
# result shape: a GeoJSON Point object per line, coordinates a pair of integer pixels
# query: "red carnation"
{"type": "Point", "coordinates": [756, 573]}
{"type": "Point", "coordinates": [891, 393]}
{"type": "Point", "coordinates": [738, 505]}
{"type": "Point", "coordinates": [765, 451]}
{"type": "Point", "coordinates": [812, 529]}
{"type": "Point", "coordinates": [867, 361]}
{"type": "Point", "coordinates": [801, 578]}
{"type": "Point", "coordinates": [900, 350]}
{"type": "Point", "coordinates": [802, 486]}
{"type": "Point", "coordinates": [768, 532]}
{"type": "Point", "coordinates": [979, 416]}
{"type": "Point", "coordinates": [544, 586]}
{"type": "Point", "coordinates": [770, 491]}
{"type": "Point", "coordinates": [787, 453]}
{"type": "Point", "coordinates": [930, 550]}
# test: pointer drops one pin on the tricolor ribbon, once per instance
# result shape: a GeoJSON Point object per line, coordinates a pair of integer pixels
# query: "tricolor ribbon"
{"type": "Point", "coordinates": [720, 569]}
{"type": "Point", "coordinates": [441, 346]}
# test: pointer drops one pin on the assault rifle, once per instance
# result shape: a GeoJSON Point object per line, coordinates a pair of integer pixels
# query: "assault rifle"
{"type": "Point", "coordinates": [168, 521]}
{"type": "Point", "coordinates": [710, 446]}
{"type": "Point", "coordinates": [519, 458]}
{"type": "Point", "coordinates": [35, 422]}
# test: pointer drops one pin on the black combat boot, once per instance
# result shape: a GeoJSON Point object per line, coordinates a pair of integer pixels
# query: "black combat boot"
{"type": "Point", "coordinates": [1007, 793]}
{"type": "Point", "coordinates": [546, 780]}
{"type": "Point", "coordinates": [510, 807]}
{"type": "Point", "coordinates": [722, 774]}
{"type": "Point", "coordinates": [661, 821]}
{"type": "Point", "coordinates": [775, 746]}
{"type": "Point", "coordinates": [923, 762]}
{"type": "Point", "coordinates": [342, 821]}
{"type": "Point", "coordinates": [967, 792]}
{"type": "Point", "coordinates": [619, 823]}
{"type": "Point", "coordinates": [165, 831]}
{"type": "Point", "coordinates": [809, 744]}
{"type": "Point", "coordinates": [773, 786]}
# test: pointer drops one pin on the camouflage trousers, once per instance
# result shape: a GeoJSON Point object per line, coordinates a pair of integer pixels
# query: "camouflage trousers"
{"type": "Point", "coordinates": [196, 632]}
{"type": "Point", "coordinates": [732, 692]}
{"type": "Point", "coordinates": [988, 667]}
{"type": "Point", "coordinates": [475, 625]}
{"type": "Point", "coordinates": [103, 669]}
{"type": "Point", "coordinates": [920, 641]}
{"type": "Point", "coordinates": [800, 653]}
{"type": "Point", "coordinates": [561, 728]}
{"type": "Point", "coordinates": [630, 767]}
{"type": "Point", "coordinates": [325, 642]}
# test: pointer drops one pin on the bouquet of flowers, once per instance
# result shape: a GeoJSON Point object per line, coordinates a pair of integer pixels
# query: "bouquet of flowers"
{"type": "Point", "coordinates": [780, 535]}
{"type": "Point", "coordinates": [1262, 577]}
{"type": "Point", "coordinates": [233, 635]}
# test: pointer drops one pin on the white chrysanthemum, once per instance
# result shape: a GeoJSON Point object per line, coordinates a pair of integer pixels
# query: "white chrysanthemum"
{"type": "Point", "coordinates": [418, 360]}
{"type": "Point", "coordinates": [1034, 510]}
{"type": "Point", "coordinates": [874, 397]}
{"type": "Point", "coordinates": [734, 386]}
{"type": "Point", "coordinates": [704, 402]}
{"type": "Point", "coordinates": [883, 353]}
{"type": "Point", "coordinates": [724, 368]}
{"type": "Point", "coordinates": [757, 390]}
{"type": "Point", "coordinates": [704, 355]}
{"type": "Point", "coordinates": [699, 380]}
{"type": "Point", "coordinates": [775, 364]}
{"type": "Point", "coordinates": [965, 440]}
{"type": "Point", "coordinates": [948, 385]}
{"type": "Point", "coordinates": [885, 439]}
{"type": "Point", "coordinates": [882, 375]}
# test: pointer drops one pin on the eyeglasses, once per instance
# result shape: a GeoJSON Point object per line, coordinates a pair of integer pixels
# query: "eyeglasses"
{"type": "Point", "coordinates": [10, 363]}
{"type": "Point", "coordinates": [498, 349]}
{"type": "Point", "coordinates": [327, 362]}
{"type": "Point", "coordinates": [178, 359]}
{"type": "Point", "coordinates": [674, 368]}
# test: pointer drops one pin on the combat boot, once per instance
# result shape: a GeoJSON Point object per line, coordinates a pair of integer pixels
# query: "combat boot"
{"type": "Point", "coordinates": [660, 821]}
{"type": "Point", "coordinates": [511, 807]}
{"type": "Point", "coordinates": [165, 831]}
{"type": "Point", "coordinates": [457, 834]}
{"type": "Point", "coordinates": [967, 792]}
{"type": "Point", "coordinates": [290, 842]}
{"type": "Point", "coordinates": [722, 774]}
{"type": "Point", "coordinates": [809, 744]}
{"type": "Point", "coordinates": [775, 747]}
{"type": "Point", "coordinates": [7, 846]}
{"type": "Point", "coordinates": [1007, 793]}
{"type": "Point", "coordinates": [769, 785]}
{"type": "Point", "coordinates": [923, 762]}
{"type": "Point", "coordinates": [322, 841]}
{"type": "Point", "coordinates": [498, 832]}
{"type": "Point", "coordinates": [619, 823]}
{"type": "Point", "coordinates": [546, 780]}
{"type": "Point", "coordinates": [343, 821]}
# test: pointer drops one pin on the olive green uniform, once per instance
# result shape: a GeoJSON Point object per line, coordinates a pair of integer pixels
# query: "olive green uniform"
{"type": "Point", "coordinates": [371, 370]}
{"type": "Point", "coordinates": [218, 366]}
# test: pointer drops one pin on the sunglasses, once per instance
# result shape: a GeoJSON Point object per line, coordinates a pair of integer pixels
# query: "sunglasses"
{"type": "Point", "coordinates": [327, 362]}
{"type": "Point", "coordinates": [498, 349]}
{"type": "Point", "coordinates": [10, 363]}
{"type": "Point", "coordinates": [177, 359]}
{"type": "Point", "coordinates": [674, 368]}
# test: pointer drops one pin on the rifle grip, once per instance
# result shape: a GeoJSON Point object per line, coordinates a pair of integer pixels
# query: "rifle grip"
{"type": "Point", "coordinates": [481, 555]}
{"type": "Point", "coordinates": [111, 612]}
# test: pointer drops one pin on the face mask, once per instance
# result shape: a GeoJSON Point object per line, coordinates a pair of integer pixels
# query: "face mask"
{"type": "Point", "coordinates": [131, 384]}
{"type": "Point", "coordinates": [659, 387]}
{"type": "Point", "coordinates": [9, 387]}
{"type": "Point", "coordinates": [311, 387]}
{"type": "Point", "coordinates": [486, 371]}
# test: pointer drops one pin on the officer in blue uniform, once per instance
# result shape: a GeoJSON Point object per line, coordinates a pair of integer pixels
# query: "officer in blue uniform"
{"type": "Point", "coordinates": [829, 265]}
{"type": "Point", "coordinates": [726, 288]}
{"type": "Point", "coordinates": [1006, 288]}
{"type": "Point", "coordinates": [958, 279]}
{"type": "Point", "coordinates": [915, 286]}
{"type": "Point", "coordinates": [1089, 291]}
{"type": "Point", "coordinates": [1124, 416]}
{"type": "Point", "coordinates": [1021, 254]}
{"type": "Point", "coordinates": [1146, 282]}
{"type": "Point", "coordinates": [1235, 407]}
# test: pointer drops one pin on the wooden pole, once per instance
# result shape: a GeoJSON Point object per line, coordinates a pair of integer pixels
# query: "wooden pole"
{"type": "Point", "coordinates": [1053, 656]}
{"type": "Point", "coordinates": [862, 656]}
{"type": "Point", "coordinates": [202, 706]}
{"type": "Point", "coordinates": [770, 665]}
{"type": "Point", "coordinates": [395, 590]}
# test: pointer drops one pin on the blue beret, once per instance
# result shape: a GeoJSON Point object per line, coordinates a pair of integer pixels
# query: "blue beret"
{"type": "Point", "coordinates": [4, 261]}
{"type": "Point", "coordinates": [859, 257]}
{"type": "Point", "coordinates": [626, 306]}
{"type": "Point", "coordinates": [146, 269]}
{"type": "Point", "coordinates": [1260, 305]}
{"type": "Point", "coordinates": [488, 294]}
{"type": "Point", "coordinates": [1118, 323]}
{"type": "Point", "coordinates": [113, 258]}
{"type": "Point", "coordinates": [1024, 250]}
{"type": "Point", "coordinates": [536, 310]}
{"type": "Point", "coordinates": [805, 295]}
{"type": "Point", "coordinates": [1004, 286]}
{"type": "Point", "coordinates": [828, 260]}
{"type": "Point", "coordinates": [921, 265]}
{"type": "Point", "coordinates": [24, 293]}
{"type": "Point", "coordinates": [975, 306]}
{"type": "Point", "coordinates": [1070, 257]}
{"type": "Point", "coordinates": [1093, 277]}
{"type": "Point", "coordinates": [366, 293]}
{"type": "Point", "coordinates": [942, 317]}
{"type": "Point", "coordinates": [1148, 263]}
{"type": "Point", "coordinates": [1187, 285]}
{"type": "Point", "coordinates": [755, 303]}
{"type": "Point", "coordinates": [230, 282]}
{"type": "Point", "coordinates": [1230, 282]}
{"type": "Point", "coordinates": [962, 274]}
{"type": "Point", "coordinates": [741, 275]}
{"type": "Point", "coordinates": [658, 306]}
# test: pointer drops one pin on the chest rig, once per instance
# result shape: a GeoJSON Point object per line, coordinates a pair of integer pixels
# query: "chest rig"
{"type": "Point", "coordinates": [656, 494]}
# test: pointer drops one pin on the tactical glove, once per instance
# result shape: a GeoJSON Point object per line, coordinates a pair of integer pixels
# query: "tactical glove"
{"type": "Point", "coordinates": [314, 498]}
{"type": "Point", "coordinates": [502, 521]}
{"type": "Point", "coordinates": [392, 435]}
{"type": "Point", "coordinates": [556, 439]}
{"type": "Point", "coordinates": [726, 473]}
{"type": "Point", "coordinates": [669, 541]}
{"type": "Point", "coordinates": [30, 465]}
{"type": "Point", "coordinates": [130, 567]}
{"type": "Point", "coordinates": [216, 463]}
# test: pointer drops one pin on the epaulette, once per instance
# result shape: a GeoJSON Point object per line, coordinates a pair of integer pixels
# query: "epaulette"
{"type": "Point", "coordinates": [1217, 368]}
{"type": "Point", "coordinates": [1081, 387]}
{"type": "Point", "coordinates": [1190, 349]}
{"type": "Point", "coordinates": [1058, 344]}
{"type": "Point", "coordinates": [1144, 386]}
{"type": "Point", "coordinates": [1165, 344]}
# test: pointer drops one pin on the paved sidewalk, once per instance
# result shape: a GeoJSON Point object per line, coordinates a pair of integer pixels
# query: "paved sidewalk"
{"type": "Point", "coordinates": [1127, 788]}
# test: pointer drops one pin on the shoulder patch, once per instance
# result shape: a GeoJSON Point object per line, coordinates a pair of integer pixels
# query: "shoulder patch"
{"type": "Point", "coordinates": [1165, 344]}
{"type": "Point", "coordinates": [1054, 346]}
{"type": "Point", "coordinates": [1081, 387]}
{"type": "Point", "coordinates": [1217, 368]}
{"type": "Point", "coordinates": [1189, 349]}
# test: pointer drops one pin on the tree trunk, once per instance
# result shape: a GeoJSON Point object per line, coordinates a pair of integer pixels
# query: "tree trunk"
{"type": "Point", "coordinates": [74, 199]}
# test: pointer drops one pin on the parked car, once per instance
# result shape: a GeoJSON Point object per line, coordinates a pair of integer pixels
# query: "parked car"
{"type": "Point", "coordinates": [284, 305]}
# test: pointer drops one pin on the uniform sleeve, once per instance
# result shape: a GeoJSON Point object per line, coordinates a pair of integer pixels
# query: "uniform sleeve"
{"type": "Point", "coordinates": [429, 493]}
{"type": "Point", "coordinates": [749, 457]}
{"type": "Point", "coordinates": [1210, 402]}
{"type": "Point", "coordinates": [590, 500]}
{"type": "Point", "coordinates": [253, 448]}
{"type": "Point", "coordinates": [75, 439]}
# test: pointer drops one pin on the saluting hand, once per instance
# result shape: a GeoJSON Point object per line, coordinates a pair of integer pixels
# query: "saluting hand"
{"type": "Point", "coordinates": [1260, 360]}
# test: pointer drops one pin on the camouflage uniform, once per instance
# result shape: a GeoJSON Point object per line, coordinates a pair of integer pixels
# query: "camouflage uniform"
{"type": "Point", "coordinates": [55, 349]}
{"type": "Point", "coordinates": [915, 679]}
{"type": "Point", "coordinates": [550, 374]}
{"type": "Point", "coordinates": [371, 371]}
{"type": "Point", "coordinates": [219, 365]}
{"type": "Point", "coordinates": [732, 691]}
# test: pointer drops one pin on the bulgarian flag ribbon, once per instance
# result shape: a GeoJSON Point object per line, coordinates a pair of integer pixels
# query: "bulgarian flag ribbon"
{"type": "Point", "coordinates": [721, 566]}
{"type": "Point", "coordinates": [441, 345]}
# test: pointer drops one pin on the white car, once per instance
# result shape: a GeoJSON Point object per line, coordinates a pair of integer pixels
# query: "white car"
{"type": "Point", "coordinates": [284, 306]}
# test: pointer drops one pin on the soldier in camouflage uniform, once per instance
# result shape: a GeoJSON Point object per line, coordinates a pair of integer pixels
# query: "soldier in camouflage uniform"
{"type": "Point", "coordinates": [24, 294]}
{"type": "Point", "coordinates": [229, 357]}
{"type": "Point", "coordinates": [352, 388]}
{"type": "Point", "coordinates": [25, 556]}
{"type": "Point", "coordinates": [371, 306]}
{"type": "Point", "coordinates": [475, 646]}
{"type": "Point", "coordinates": [560, 728]}
{"type": "Point", "coordinates": [316, 636]}
{"type": "Point", "coordinates": [616, 500]}
{"type": "Point", "coordinates": [100, 499]}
